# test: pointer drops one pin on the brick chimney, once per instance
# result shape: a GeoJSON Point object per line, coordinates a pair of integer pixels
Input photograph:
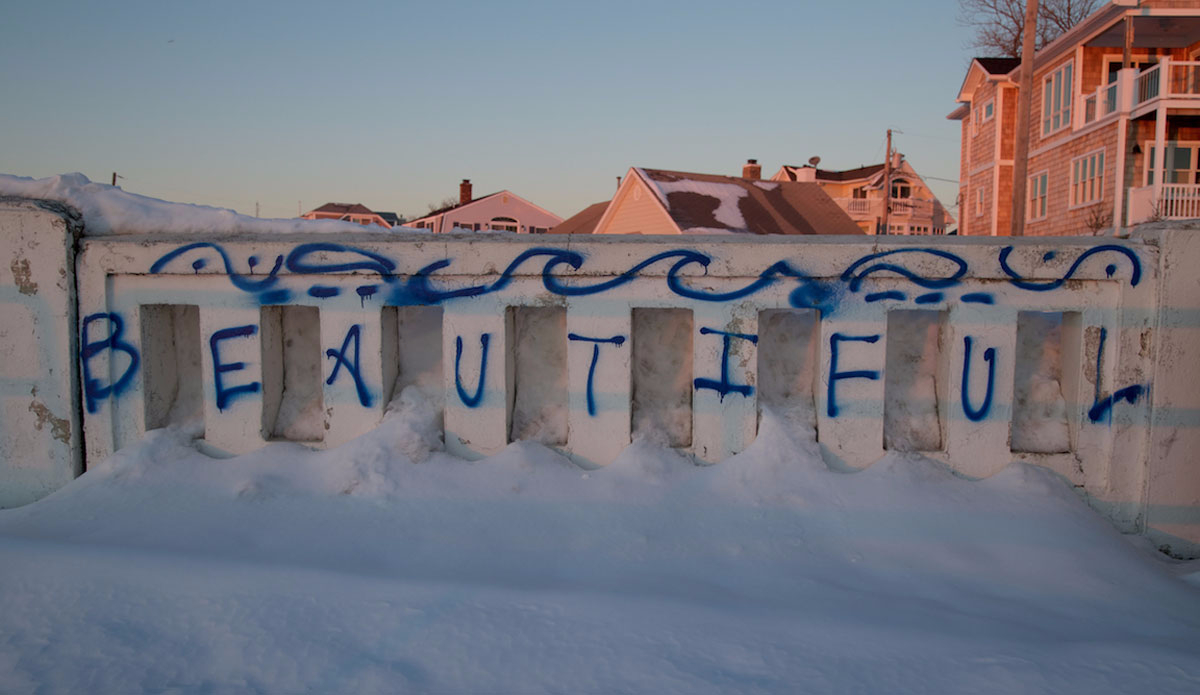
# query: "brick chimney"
{"type": "Point", "coordinates": [464, 192]}
{"type": "Point", "coordinates": [752, 169]}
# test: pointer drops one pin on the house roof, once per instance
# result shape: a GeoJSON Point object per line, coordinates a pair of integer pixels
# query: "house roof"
{"type": "Point", "coordinates": [389, 217]}
{"type": "Point", "coordinates": [582, 222]}
{"type": "Point", "coordinates": [448, 208]}
{"type": "Point", "coordinates": [998, 66]}
{"type": "Point", "coordinates": [864, 172]}
{"type": "Point", "coordinates": [709, 203]}
{"type": "Point", "coordinates": [345, 209]}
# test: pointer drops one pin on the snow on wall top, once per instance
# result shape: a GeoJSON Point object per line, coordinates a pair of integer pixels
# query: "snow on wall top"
{"type": "Point", "coordinates": [108, 210]}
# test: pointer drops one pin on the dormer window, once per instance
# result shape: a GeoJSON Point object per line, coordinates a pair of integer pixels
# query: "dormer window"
{"type": "Point", "coordinates": [901, 188]}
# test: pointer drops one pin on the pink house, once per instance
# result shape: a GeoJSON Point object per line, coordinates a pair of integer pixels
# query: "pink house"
{"type": "Point", "coordinates": [503, 211]}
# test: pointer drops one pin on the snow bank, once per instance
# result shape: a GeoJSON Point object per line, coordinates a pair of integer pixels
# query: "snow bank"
{"type": "Point", "coordinates": [109, 210]}
{"type": "Point", "coordinates": [360, 569]}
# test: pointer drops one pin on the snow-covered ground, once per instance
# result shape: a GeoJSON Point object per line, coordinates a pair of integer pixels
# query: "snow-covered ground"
{"type": "Point", "coordinates": [383, 567]}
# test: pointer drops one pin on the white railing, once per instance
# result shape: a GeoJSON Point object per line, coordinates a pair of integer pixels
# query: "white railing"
{"type": "Point", "coordinates": [1170, 79]}
{"type": "Point", "coordinates": [859, 207]}
{"type": "Point", "coordinates": [1177, 201]}
{"type": "Point", "coordinates": [1146, 85]}
{"type": "Point", "coordinates": [1167, 80]}
{"type": "Point", "coordinates": [870, 208]}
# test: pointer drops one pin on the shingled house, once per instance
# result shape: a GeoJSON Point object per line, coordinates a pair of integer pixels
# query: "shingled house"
{"type": "Point", "coordinates": [1097, 127]}
{"type": "Point", "coordinates": [349, 212]}
{"type": "Point", "coordinates": [656, 201]}
{"type": "Point", "coordinates": [863, 194]}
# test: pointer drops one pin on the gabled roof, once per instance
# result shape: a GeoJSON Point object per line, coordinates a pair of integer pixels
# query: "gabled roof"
{"type": "Point", "coordinates": [865, 172]}
{"type": "Point", "coordinates": [998, 66]}
{"type": "Point", "coordinates": [708, 203]}
{"type": "Point", "coordinates": [457, 206]}
{"type": "Point", "coordinates": [448, 208]}
{"type": "Point", "coordinates": [582, 222]}
{"type": "Point", "coordinates": [345, 209]}
{"type": "Point", "coordinates": [390, 217]}
{"type": "Point", "coordinates": [981, 69]}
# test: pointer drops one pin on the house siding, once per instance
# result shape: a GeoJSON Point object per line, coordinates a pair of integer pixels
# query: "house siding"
{"type": "Point", "coordinates": [638, 211]}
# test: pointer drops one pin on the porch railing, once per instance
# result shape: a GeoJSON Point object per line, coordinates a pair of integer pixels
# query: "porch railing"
{"type": "Point", "coordinates": [1179, 201]}
{"type": "Point", "coordinates": [873, 207]}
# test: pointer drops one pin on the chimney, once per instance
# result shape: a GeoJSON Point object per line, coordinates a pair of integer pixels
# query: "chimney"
{"type": "Point", "coordinates": [752, 169]}
{"type": "Point", "coordinates": [464, 192]}
{"type": "Point", "coordinates": [806, 174]}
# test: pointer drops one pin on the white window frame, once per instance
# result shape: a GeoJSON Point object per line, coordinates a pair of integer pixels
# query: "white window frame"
{"type": "Point", "coordinates": [1087, 179]}
{"type": "Point", "coordinates": [1057, 98]}
{"type": "Point", "coordinates": [1036, 194]}
{"type": "Point", "coordinates": [1148, 149]}
{"type": "Point", "coordinates": [989, 110]}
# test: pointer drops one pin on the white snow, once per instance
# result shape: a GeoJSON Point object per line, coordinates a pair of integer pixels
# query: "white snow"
{"type": "Point", "coordinates": [910, 409]}
{"type": "Point", "coordinates": [109, 210]}
{"type": "Point", "coordinates": [727, 195]}
{"type": "Point", "coordinates": [359, 570]}
{"type": "Point", "coordinates": [1039, 408]}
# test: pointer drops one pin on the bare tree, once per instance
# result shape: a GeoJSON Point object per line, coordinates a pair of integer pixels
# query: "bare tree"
{"type": "Point", "coordinates": [1000, 24]}
{"type": "Point", "coordinates": [443, 203]}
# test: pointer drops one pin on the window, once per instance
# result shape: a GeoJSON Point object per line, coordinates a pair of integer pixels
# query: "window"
{"type": "Point", "coordinates": [1182, 162]}
{"type": "Point", "coordinates": [901, 189]}
{"type": "Point", "coordinates": [1087, 178]}
{"type": "Point", "coordinates": [503, 224]}
{"type": "Point", "coordinates": [979, 202]}
{"type": "Point", "coordinates": [1056, 100]}
{"type": "Point", "coordinates": [859, 193]}
{"type": "Point", "coordinates": [1035, 208]}
{"type": "Point", "coordinates": [989, 111]}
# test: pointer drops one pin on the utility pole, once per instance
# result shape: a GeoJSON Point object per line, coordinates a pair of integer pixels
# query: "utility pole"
{"type": "Point", "coordinates": [1024, 106]}
{"type": "Point", "coordinates": [114, 178]}
{"type": "Point", "coordinates": [887, 183]}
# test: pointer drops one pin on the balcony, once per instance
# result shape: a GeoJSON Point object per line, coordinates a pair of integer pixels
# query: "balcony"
{"type": "Point", "coordinates": [871, 208]}
{"type": "Point", "coordinates": [1137, 93]}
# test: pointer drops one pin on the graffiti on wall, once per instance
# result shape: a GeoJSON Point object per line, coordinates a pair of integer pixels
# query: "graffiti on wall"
{"type": "Point", "coordinates": [935, 276]}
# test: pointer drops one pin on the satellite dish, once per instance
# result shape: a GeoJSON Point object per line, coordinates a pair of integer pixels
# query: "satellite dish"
{"type": "Point", "coordinates": [814, 160]}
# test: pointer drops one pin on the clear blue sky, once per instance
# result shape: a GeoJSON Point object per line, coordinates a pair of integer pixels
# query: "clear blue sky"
{"type": "Point", "coordinates": [294, 104]}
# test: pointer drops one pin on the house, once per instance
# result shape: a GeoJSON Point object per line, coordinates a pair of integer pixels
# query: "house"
{"type": "Point", "coordinates": [350, 212]}
{"type": "Point", "coordinates": [656, 201]}
{"type": "Point", "coordinates": [862, 193]}
{"type": "Point", "coordinates": [503, 211]}
{"type": "Point", "coordinates": [582, 222]}
{"type": "Point", "coordinates": [1098, 122]}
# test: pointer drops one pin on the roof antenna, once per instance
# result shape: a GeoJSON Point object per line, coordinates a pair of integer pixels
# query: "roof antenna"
{"type": "Point", "coordinates": [618, 182]}
{"type": "Point", "coordinates": [814, 161]}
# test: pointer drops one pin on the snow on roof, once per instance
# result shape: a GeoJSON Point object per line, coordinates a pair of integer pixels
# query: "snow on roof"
{"type": "Point", "coordinates": [712, 204]}
{"type": "Point", "coordinates": [109, 210]}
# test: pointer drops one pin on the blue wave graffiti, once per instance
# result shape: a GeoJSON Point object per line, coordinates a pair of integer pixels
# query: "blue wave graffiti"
{"type": "Point", "coordinates": [1043, 285]}
{"type": "Point", "coordinates": [809, 292]}
{"type": "Point", "coordinates": [856, 274]}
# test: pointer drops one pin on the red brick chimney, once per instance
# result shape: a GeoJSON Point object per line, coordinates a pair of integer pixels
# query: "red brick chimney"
{"type": "Point", "coordinates": [464, 192]}
{"type": "Point", "coordinates": [752, 169]}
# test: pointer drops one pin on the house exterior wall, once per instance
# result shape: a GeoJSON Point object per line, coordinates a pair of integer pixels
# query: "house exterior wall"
{"type": "Point", "coordinates": [1062, 218]}
{"type": "Point", "coordinates": [1122, 140]}
{"type": "Point", "coordinates": [636, 210]}
{"type": "Point", "coordinates": [478, 214]}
